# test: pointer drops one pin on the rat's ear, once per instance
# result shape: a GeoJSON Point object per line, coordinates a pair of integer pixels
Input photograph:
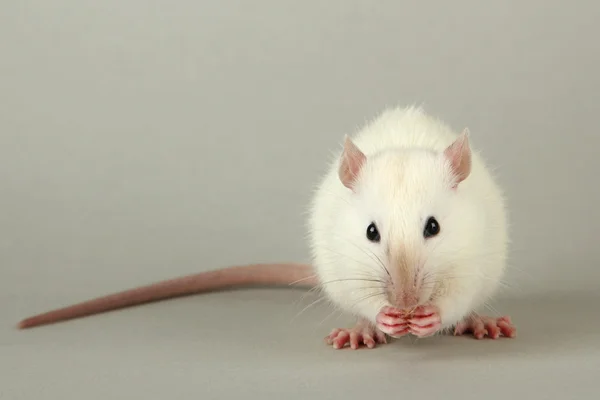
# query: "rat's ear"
{"type": "Point", "coordinates": [459, 155]}
{"type": "Point", "coordinates": [351, 163]}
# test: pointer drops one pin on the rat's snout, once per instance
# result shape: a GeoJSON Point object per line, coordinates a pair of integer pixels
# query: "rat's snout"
{"type": "Point", "coordinates": [404, 296]}
{"type": "Point", "coordinates": [406, 290]}
{"type": "Point", "coordinates": [410, 299]}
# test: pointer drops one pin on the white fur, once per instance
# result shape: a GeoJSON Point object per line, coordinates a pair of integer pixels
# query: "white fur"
{"type": "Point", "coordinates": [404, 181]}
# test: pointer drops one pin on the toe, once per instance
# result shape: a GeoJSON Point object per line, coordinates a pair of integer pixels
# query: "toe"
{"type": "Point", "coordinates": [341, 339]}
{"type": "Point", "coordinates": [380, 337]}
{"type": "Point", "coordinates": [425, 311]}
{"type": "Point", "coordinates": [425, 321]}
{"type": "Point", "coordinates": [354, 339]}
{"type": "Point", "coordinates": [479, 330]}
{"type": "Point", "coordinates": [389, 320]}
{"type": "Point", "coordinates": [368, 340]}
{"type": "Point", "coordinates": [507, 329]}
{"type": "Point", "coordinates": [461, 328]}
{"type": "Point", "coordinates": [392, 322]}
{"type": "Point", "coordinates": [492, 329]}
{"type": "Point", "coordinates": [425, 331]}
{"type": "Point", "coordinates": [391, 311]}
{"type": "Point", "coordinates": [332, 335]}
{"type": "Point", "coordinates": [392, 330]}
{"type": "Point", "coordinates": [405, 330]}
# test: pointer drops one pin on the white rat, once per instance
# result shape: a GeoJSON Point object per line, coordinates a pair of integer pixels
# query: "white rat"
{"type": "Point", "coordinates": [408, 232]}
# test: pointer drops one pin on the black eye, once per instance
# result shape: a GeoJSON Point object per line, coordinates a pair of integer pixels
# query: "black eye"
{"type": "Point", "coordinates": [432, 228]}
{"type": "Point", "coordinates": [373, 233]}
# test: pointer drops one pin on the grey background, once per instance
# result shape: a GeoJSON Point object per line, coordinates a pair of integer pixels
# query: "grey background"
{"type": "Point", "coordinates": [145, 140]}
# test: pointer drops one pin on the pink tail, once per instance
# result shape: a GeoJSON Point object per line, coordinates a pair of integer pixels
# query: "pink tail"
{"type": "Point", "coordinates": [248, 275]}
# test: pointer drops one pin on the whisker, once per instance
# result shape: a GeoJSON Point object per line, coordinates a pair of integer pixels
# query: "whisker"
{"type": "Point", "coordinates": [329, 316]}
{"type": "Point", "coordinates": [350, 258]}
{"type": "Point", "coordinates": [491, 308]}
{"type": "Point", "coordinates": [302, 279]}
{"type": "Point", "coordinates": [313, 290]}
{"type": "Point", "coordinates": [369, 296]}
{"type": "Point", "coordinates": [352, 279]}
{"type": "Point", "coordinates": [307, 307]}
{"type": "Point", "coordinates": [369, 254]}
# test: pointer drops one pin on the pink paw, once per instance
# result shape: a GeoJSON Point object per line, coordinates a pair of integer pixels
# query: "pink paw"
{"type": "Point", "coordinates": [392, 321]}
{"type": "Point", "coordinates": [425, 321]}
{"type": "Point", "coordinates": [362, 334]}
{"type": "Point", "coordinates": [481, 326]}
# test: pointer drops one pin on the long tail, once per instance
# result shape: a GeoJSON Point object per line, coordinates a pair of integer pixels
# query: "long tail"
{"type": "Point", "coordinates": [247, 275]}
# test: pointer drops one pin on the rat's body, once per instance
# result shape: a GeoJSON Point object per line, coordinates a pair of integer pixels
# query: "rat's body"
{"type": "Point", "coordinates": [407, 229]}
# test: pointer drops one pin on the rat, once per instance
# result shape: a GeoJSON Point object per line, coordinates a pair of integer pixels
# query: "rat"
{"type": "Point", "coordinates": [408, 233]}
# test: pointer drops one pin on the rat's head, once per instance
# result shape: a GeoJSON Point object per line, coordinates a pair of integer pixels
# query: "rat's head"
{"type": "Point", "coordinates": [405, 226]}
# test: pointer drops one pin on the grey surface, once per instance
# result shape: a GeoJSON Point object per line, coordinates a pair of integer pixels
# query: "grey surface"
{"type": "Point", "coordinates": [260, 344]}
{"type": "Point", "coordinates": [140, 142]}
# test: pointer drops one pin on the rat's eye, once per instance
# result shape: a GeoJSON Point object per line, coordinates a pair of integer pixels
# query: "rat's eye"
{"type": "Point", "coordinates": [373, 233]}
{"type": "Point", "coordinates": [432, 228]}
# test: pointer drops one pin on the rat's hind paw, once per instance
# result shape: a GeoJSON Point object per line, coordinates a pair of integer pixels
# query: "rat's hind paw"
{"type": "Point", "coordinates": [482, 326]}
{"type": "Point", "coordinates": [362, 334]}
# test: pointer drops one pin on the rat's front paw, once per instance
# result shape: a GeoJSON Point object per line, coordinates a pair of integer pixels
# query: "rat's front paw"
{"type": "Point", "coordinates": [392, 321]}
{"type": "Point", "coordinates": [424, 321]}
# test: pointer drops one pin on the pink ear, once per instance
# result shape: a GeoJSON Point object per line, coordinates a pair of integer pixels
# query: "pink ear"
{"type": "Point", "coordinates": [459, 155]}
{"type": "Point", "coordinates": [351, 163]}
